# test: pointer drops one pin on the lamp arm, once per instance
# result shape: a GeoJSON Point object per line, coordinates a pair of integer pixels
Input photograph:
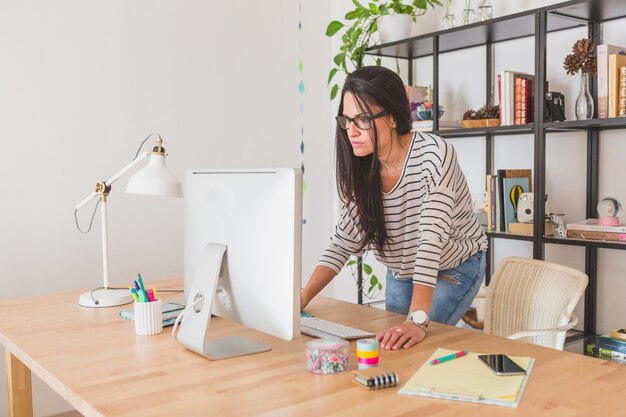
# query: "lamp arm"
{"type": "Point", "coordinates": [114, 178]}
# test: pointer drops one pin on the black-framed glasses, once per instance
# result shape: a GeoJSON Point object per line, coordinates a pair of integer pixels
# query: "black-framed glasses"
{"type": "Point", "coordinates": [361, 121]}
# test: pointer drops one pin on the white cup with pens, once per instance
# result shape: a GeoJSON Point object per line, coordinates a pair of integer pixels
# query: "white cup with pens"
{"type": "Point", "coordinates": [147, 309]}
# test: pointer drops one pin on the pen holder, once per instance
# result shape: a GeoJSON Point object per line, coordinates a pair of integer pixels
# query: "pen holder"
{"type": "Point", "coordinates": [148, 318]}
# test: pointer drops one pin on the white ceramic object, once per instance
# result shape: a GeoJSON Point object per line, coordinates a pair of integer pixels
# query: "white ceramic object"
{"type": "Point", "coordinates": [148, 318]}
{"type": "Point", "coordinates": [393, 27]}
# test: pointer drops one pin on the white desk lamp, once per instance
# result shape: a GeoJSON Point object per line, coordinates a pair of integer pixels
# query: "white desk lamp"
{"type": "Point", "coordinates": [154, 179]}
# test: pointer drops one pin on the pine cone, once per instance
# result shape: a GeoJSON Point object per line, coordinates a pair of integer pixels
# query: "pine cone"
{"type": "Point", "coordinates": [583, 57]}
{"type": "Point", "coordinates": [470, 115]}
{"type": "Point", "coordinates": [489, 111]}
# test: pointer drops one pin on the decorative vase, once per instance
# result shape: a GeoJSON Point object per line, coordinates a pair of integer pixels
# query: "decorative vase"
{"type": "Point", "coordinates": [584, 102]}
{"type": "Point", "coordinates": [485, 11]}
{"type": "Point", "coordinates": [469, 14]}
{"type": "Point", "coordinates": [393, 27]}
{"type": "Point", "coordinates": [449, 20]}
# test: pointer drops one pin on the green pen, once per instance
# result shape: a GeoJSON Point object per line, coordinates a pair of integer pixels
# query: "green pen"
{"type": "Point", "coordinates": [144, 294]}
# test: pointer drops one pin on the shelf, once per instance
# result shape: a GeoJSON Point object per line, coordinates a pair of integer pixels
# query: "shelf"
{"type": "Point", "coordinates": [505, 235]}
{"type": "Point", "coordinates": [561, 16]}
{"type": "Point", "coordinates": [587, 243]}
{"type": "Point", "coordinates": [591, 124]}
{"type": "Point", "coordinates": [574, 335]}
{"type": "Point", "coordinates": [482, 131]}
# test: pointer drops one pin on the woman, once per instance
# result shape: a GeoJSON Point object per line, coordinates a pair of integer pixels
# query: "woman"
{"type": "Point", "coordinates": [405, 198]}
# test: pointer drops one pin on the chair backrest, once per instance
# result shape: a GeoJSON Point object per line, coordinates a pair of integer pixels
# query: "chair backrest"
{"type": "Point", "coordinates": [529, 294]}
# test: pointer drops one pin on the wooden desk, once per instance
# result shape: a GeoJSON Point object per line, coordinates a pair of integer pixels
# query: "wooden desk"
{"type": "Point", "coordinates": [94, 360]}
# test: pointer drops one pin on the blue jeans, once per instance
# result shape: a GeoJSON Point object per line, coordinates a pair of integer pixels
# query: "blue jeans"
{"type": "Point", "coordinates": [454, 293]}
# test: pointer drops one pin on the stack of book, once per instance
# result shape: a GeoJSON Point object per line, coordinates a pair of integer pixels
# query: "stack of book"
{"type": "Point", "coordinates": [611, 347]}
{"type": "Point", "coordinates": [503, 191]}
{"type": "Point", "coordinates": [516, 95]}
{"type": "Point", "coordinates": [610, 59]}
{"type": "Point", "coordinates": [590, 230]}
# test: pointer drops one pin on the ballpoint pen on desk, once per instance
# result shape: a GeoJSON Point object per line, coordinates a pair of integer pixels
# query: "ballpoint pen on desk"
{"type": "Point", "coordinates": [449, 357]}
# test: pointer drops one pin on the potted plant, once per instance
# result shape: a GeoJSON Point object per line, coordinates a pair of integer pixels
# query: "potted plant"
{"type": "Point", "coordinates": [361, 24]}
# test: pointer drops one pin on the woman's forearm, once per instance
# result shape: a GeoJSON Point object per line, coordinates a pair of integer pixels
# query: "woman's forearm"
{"type": "Point", "coordinates": [319, 279]}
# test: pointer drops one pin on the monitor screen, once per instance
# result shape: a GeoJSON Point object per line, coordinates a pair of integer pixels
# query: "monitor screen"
{"type": "Point", "coordinates": [257, 215]}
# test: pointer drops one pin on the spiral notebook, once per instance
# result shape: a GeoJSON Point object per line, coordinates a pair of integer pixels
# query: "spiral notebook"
{"type": "Point", "coordinates": [468, 379]}
{"type": "Point", "coordinates": [376, 378]}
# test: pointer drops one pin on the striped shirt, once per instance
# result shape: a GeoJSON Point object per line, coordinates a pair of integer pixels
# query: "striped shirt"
{"type": "Point", "coordinates": [428, 217]}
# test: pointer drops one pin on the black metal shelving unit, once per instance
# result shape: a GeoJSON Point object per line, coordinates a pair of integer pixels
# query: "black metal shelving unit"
{"type": "Point", "coordinates": [537, 23]}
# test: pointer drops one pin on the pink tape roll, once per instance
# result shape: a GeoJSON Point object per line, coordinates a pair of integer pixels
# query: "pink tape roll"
{"type": "Point", "coordinates": [368, 361]}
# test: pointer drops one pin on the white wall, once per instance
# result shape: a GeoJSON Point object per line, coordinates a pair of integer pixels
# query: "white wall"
{"type": "Point", "coordinates": [462, 87]}
{"type": "Point", "coordinates": [83, 82]}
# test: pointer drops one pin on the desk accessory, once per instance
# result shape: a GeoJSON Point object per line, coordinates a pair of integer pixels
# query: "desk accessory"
{"type": "Point", "coordinates": [148, 318]}
{"type": "Point", "coordinates": [467, 379]}
{"type": "Point", "coordinates": [327, 356]}
{"type": "Point", "coordinates": [154, 179]}
{"type": "Point", "coordinates": [609, 209]}
{"type": "Point", "coordinates": [169, 311]}
{"type": "Point", "coordinates": [367, 353]}
{"type": "Point", "coordinates": [372, 379]}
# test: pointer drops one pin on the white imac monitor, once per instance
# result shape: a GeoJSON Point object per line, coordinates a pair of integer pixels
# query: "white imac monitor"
{"type": "Point", "coordinates": [242, 256]}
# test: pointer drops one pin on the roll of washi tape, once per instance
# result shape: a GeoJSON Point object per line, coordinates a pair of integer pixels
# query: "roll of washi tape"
{"type": "Point", "coordinates": [367, 353]}
{"type": "Point", "coordinates": [327, 356]}
{"type": "Point", "coordinates": [371, 354]}
{"type": "Point", "coordinates": [368, 361]}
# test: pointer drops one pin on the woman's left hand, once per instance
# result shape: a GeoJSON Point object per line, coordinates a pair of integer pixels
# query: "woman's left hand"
{"type": "Point", "coordinates": [403, 335]}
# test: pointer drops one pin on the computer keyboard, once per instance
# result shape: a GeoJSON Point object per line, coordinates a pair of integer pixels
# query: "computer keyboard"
{"type": "Point", "coordinates": [315, 327]}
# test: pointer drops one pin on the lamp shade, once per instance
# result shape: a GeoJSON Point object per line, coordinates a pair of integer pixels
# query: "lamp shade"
{"type": "Point", "coordinates": [155, 179]}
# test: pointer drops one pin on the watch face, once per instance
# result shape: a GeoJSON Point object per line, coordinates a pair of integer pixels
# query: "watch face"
{"type": "Point", "coordinates": [419, 317]}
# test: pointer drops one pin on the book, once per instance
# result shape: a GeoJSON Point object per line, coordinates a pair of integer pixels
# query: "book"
{"type": "Point", "coordinates": [593, 235]}
{"type": "Point", "coordinates": [376, 378]}
{"type": "Point", "coordinates": [607, 342]}
{"type": "Point", "coordinates": [526, 229]}
{"type": "Point", "coordinates": [512, 188]}
{"type": "Point", "coordinates": [523, 99]}
{"type": "Point", "coordinates": [170, 310]}
{"type": "Point", "coordinates": [591, 225]}
{"type": "Point", "coordinates": [602, 53]}
{"type": "Point", "coordinates": [468, 379]}
{"type": "Point", "coordinates": [603, 353]}
{"type": "Point", "coordinates": [615, 61]}
{"type": "Point", "coordinates": [508, 173]}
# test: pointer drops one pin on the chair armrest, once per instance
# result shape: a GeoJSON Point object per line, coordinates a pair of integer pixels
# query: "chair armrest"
{"type": "Point", "coordinates": [541, 332]}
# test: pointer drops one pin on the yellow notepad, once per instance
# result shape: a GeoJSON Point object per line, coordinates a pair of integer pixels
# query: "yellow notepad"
{"type": "Point", "coordinates": [468, 379]}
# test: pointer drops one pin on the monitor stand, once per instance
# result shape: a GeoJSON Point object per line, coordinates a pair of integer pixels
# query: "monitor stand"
{"type": "Point", "coordinates": [194, 326]}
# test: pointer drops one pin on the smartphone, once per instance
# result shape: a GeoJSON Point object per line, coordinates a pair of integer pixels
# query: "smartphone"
{"type": "Point", "coordinates": [502, 364]}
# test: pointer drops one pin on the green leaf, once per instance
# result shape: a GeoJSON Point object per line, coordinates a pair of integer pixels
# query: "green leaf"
{"type": "Point", "coordinates": [373, 280]}
{"type": "Point", "coordinates": [333, 27]}
{"type": "Point", "coordinates": [339, 59]}
{"type": "Point", "coordinates": [333, 91]}
{"type": "Point", "coordinates": [374, 8]}
{"type": "Point", "coordinates": [350, 263]}
{"type": "Point", "coordinates": [353, 14]}
{"type": "Point", "coordinates": [359, 6]}
{"type": "Point", "coordinates": [367, 269]}
{"type": "Point", "coordinates": [380, 286]}
{"type": "Point", "coordinates": [330, 77]}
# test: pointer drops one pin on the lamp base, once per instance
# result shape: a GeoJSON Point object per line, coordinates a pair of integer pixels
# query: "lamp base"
{"type": "Point", "coordinates": [105, 298]}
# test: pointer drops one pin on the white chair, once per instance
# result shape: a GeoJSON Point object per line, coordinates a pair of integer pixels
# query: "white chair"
{"type": "Point", "coordinates": [533, 300]}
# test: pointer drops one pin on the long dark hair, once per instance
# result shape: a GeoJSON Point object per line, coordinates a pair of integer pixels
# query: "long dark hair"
{"type": "Point", "coordinates": [358, 178]}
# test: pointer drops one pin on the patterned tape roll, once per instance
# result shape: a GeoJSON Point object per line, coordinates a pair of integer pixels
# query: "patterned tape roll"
{"type": "Point", "coordinates": [367, 345]}
{"type": "Point", "coordinates": [368, 361]}
{"type": "Point", "coordinates": [367, 353]}
{"type": "Point", "coordinates": [371, 354]}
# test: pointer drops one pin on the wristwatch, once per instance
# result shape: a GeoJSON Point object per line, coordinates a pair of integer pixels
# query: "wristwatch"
{"type": "Point", "coordinates": [418, 317]}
